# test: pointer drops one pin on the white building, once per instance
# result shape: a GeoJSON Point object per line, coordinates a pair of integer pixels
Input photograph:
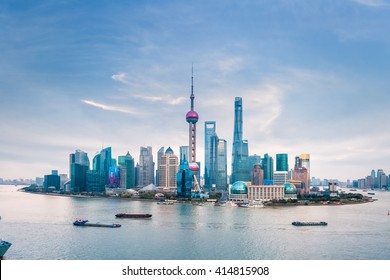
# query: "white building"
{"type": "Point", "coordinates": [168, 169]}
{"type": "Point", "coordinates": [265, 192]}
{"type": "Point", "coordinates": [280, 177]}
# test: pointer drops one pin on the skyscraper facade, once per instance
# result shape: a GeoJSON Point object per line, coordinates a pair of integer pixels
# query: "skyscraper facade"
{"type": "Point", "coordinates": [96, 182]}
{"type": "Point", "coordinates": [145, 167]}
{"type": "Point", "coordinates": [209, 131]}
{"type": "Point", "coordinates": [79, 165]}
{"type": "Point", "coordinates": [127, 172]}
{"type": "Point", "coordinates": [213, 160]}
{"type": "Point", "coordinates": [169, 165]}
{"type": "Point", "coordinates": [254, 159]}
{"type": "Point", "coordinates": [301, 174]}
{"type": "Point", "coordinates": [102, 162]}
{"type": "Point", "coordinates": [267, 164]}
{"type": "Point", "coordinates": [221, 182]}
{"type": "Point", "coordinates": [114, 177]}
{"type": "Point", "coordinates": [160, 153]}
{"type": "Point", "coordinates": [305, 162]}
{"type": "Point", "coordinates": [240, 162]}
{"type": "Point", "coordinates": [218, 163]}
{"type": "Point", "coordinates": [281, 162]}
{"type": "Point", "coordinates": [184, 153]}
{"type": "Point", "coordinates": [257, 175]}
{"type": "Point", "coordinates": [51, 182]}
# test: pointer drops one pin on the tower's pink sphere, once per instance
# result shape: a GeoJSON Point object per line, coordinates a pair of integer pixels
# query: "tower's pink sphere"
{"type": "Point", "coordinates": [193, 166]}
{"type": "Point", "coordinates": [192, 117]}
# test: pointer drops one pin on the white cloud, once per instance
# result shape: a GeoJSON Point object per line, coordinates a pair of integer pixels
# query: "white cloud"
{"type": "Point", "coordinates": [167, 99]}
{"type": "Point", "coordinates": [110, 108]}
{"type": "Point", "coordinates": [120, 77]}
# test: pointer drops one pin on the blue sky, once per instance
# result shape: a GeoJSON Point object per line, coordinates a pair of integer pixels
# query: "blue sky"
{"type": "Point", "coordinates": [313, 75]}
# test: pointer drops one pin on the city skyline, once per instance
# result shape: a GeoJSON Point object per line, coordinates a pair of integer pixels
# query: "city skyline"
{"type": "Point", "coordinates": [312, 77]}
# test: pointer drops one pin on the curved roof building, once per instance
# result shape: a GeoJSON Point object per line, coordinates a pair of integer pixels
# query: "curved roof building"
{"type": "Point", "coordinates": [290, 188]}
{"type": "Point", "coordinates": [239, 187]}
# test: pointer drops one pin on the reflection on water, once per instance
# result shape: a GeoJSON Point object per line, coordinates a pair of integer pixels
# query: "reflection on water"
{"type": "Point", "coordinates": [40, 227]}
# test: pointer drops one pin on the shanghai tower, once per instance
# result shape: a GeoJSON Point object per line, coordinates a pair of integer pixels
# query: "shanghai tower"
{"type": "Point", "coordinates": [240, 163]}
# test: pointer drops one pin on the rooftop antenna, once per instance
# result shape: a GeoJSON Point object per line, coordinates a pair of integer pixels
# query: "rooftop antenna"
{"type": "Point", "coordinates": [192, 87]}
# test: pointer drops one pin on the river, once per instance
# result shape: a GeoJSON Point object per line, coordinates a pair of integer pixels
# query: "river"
{"type": "Point", "coordinates": [40, 228]}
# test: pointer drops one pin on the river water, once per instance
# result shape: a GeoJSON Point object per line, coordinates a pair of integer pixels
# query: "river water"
{"type": "Point", "coordinates": [40, 228]}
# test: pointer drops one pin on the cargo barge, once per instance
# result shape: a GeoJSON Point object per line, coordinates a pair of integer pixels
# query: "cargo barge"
{"type": "Point", "coordinates": [309, 223]}
{"type": "Point", "coordinates": [86, 223]}
{"type": "Point", "coordinates": [136, 216]}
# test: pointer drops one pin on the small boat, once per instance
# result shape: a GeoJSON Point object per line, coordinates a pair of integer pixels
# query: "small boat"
{"type": "Point", "coordinates": [4, 246]}
{"type": "Point", "coordinates": [371, 193]}
{"type": "Point", "coordinates": [86, 223]}
{"type": "Point", "coordinates": [136, 216]}
{"type": "Point", "coordinates": [165, 202]}
{"type": "Point", "coordinates": [309, 223]}
{"type": "Point", "coordinates": [256, 204]}
{"type": "Point", "coordinates": [243, 205]}
{"type": "Point", "coordinates": [231, 203]}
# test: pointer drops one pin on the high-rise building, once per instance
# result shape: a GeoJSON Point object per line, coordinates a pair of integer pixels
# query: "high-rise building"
{"type": "Point", "coordinates": [213, 163]}
{"type": "Point", "coordinates": [302, 174]}
{"type": "Point", "coordinates": [160, 153]}
{"type": "Point", "coordinates": [257, 175]}
{"type": "Point", "coordinates": [221, 182]}
{"type": "Point", "coordinates": [78, 179]}
{"type": "Point", "coordinates": [218, 163]}
{"type": "Point", "coordinates": [305, 162]}
{"type": "Point", "coordinates": [209, 131]}
{"type": "Point", "coordinates": [51, 182]}
{"type": "Point", "coordinates": [240, 162]}
{"type": "Point", "coordinates": [382, 179]}
{"type": "Point", "coordinates": [184, 153]}
{"type": "Point", "coordinates": [96, 181]}
{"type": "Point", "coordinates": [169, 165]}
{"type": "Point", "coordinates": [145, 167]}
{"type": "Point", "coordinates": [114, 177]}
{"type": "Point", "coordinates": [280, 177]}
{"type": "Point", "coordinates": [63, 179]}
{"type": "Point", "coordinates": [102, 162]}
{"type": "Point", "coordinates": [127, 173]}
{"type": "Point", "coordinates": [267, 164]}
{"type": "Point", "coordinates": [79, 165]}
{"type": "Point", "coordinates": [184, 180]}
{"type": "Point", "coordinates": [369, 182]}
{"type": "Point", "coordinates": [281, 162]}
{"type": "Point", "coordinates": [254, 159]}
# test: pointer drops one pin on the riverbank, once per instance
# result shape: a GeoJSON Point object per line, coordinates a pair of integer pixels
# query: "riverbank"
{"type": "Point", "coordinates": [285, 203]}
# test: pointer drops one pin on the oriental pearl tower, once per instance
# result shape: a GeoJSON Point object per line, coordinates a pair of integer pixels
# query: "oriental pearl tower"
{"type": "Point", "coordinates": [192, 118]}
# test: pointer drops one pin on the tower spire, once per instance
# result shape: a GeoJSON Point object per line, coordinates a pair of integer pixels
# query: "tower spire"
{"type": "Point", "coordinates": [192, 88]}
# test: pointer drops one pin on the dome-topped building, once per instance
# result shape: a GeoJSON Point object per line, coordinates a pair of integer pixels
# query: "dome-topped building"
{"type": "Point", "coordinates": [238, 191]}
{"type": "Point", "coordinates": [290, 191]}
{"type": "Point", "coordinates": [239, 187]}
